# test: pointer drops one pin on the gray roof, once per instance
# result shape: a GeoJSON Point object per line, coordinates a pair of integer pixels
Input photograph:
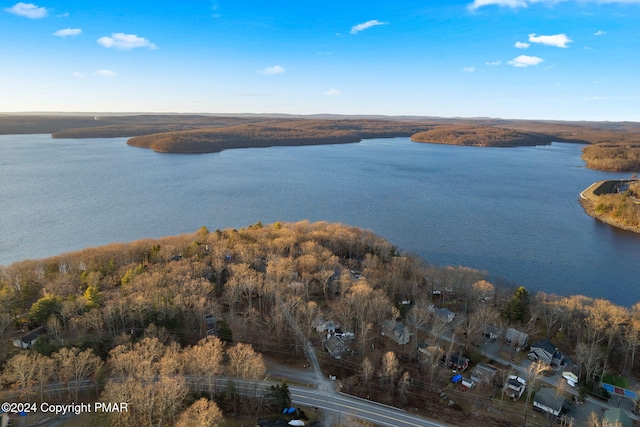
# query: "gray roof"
{"type": "Point", "coordinates": [548, 398]}
{"type": "Point", "coordinates": [483, 373]}
{"type": "Point", "coordinates": [396, 331]}
{"type": "Point", "coordinates": [515, 336]}
{"type": "Point", "coordinates": [335, 346]}
{"type": "Point", "coordinates": [545, 345]}
{"type": "Point", "coordinates": [32, 335]}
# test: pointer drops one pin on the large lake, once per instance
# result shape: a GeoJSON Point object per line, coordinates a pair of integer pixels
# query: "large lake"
{"type": "Point", "coordinates": [510, 211]}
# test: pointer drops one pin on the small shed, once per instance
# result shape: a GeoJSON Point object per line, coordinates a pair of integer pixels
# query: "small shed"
{"type": "Point", "coordinates": [29, 339]}
{"type": "Point", "coordinates": [468, 382]}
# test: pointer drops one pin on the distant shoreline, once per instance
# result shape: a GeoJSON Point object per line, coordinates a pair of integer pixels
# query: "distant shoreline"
{"type": "Point", "coordinates": [615, 146]}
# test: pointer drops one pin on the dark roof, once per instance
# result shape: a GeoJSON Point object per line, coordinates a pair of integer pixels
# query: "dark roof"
{"type": "Point", "coordinates": [515, 383]}
{"type": "Point", "coordinates": [32, 335]}
{"type": "Point", "coordinates": [458, 359]}
{"type": "Point", "coordinates": [545, 345]}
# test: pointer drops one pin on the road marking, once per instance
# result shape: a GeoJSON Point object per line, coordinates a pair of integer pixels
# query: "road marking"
{"type": "Point", "coordinates": [357, 412]}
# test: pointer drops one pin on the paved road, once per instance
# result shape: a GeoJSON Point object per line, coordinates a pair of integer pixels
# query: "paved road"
{"type": "Point", "coordinates": [345, 406]}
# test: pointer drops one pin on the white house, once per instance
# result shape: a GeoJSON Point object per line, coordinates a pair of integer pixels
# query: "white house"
{"type": "Point", "coordinates": [514, 387]}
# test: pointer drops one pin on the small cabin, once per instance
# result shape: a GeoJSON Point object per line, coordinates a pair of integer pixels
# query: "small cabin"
{"type": "Point", "coordinates": [29, 339]}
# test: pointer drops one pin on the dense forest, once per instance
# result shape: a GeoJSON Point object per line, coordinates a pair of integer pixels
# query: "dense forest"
{"type": "Point", "coordinates": [482, 136]}
{"type": "Point", "coordinates": [172, 324]}
{"type": "Point", "coordinates": [615, 157]}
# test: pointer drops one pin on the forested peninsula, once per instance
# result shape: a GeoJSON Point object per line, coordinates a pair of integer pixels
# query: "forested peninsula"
{"type": "Point", "coordinates": [186, 319]}
{"type": "Point", "coordinates": [616, 203]}
{"type": "Point", "coordinates": [615, 146]}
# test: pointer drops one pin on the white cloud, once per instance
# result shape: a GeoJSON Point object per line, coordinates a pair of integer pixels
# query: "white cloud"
{"type": "Point", "coordinates": [276, 69]}
{"type": "Point", "coordinates": [106, 73]}
{"type": "Point", "coordinates": [524, 3]}
{"type": "Point", "coordinates": [558, 40]}
{"type": "Point", "coordinates": [600, 33]}
{"type": "Point", "coordinates": [68, 32]}
{"type": "Point", "coordinates": [77, 75]}
{"type": "Point", "coordinates": [523, 61]}
{"type": "Point", "coordinates": [494, 63]}
{"type": "Point", "coordinates": [63, 15]}
{"type": "Point", "coordinates": [508, 3]}
{"type": "Point", "coordinates": [469, 69]}
{"type": "Point", "coordinates": [28, 10]}
{"type": "Point", "coordinates": [363, 26]}
{"type": "Point", "coordinates": [122, 41]}
{"type": "Point", "coordinates": [333, 92]}
{"type": "Point", "coordinates": [522, 45]}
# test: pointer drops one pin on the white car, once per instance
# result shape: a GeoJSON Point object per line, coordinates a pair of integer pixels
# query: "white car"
{"type": "Point", "coordinates": [571, 378]}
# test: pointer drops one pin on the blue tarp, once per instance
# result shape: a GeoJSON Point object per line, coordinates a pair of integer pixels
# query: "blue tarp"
{"type": "Point", "coordinates": [456, 379]}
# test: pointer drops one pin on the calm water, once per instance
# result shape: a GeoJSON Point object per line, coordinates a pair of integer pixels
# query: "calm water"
{"type": "Point", "coordinates": [512, 212]}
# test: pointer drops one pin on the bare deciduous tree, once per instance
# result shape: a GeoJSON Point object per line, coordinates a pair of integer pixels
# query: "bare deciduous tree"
{"type": "Point", "coordinates": [205, 361]}
{"type": "Point", "coordinates": [74, 366]}
{"type": "Point", "coordinates": [367, 370]}
{"type": "Point", "coordinates": [202, 413]}
{"type": "Point", "coordinates": [389, 370]}
{"type": "Point", "coordinates": [20, 370]}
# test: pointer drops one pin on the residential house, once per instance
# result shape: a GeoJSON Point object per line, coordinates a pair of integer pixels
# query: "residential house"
{"type": "Point", "coordinates": [335, 346]}
{"type": "Point", "coordinates": [490, 331]}
{"type": "Point", "coordinates": [545, 351]}
{"type": "Point", "coordinates": [516, 338]}
{"type": "Point", "coordinates": [617, 417]}
{"type": "Point", "coordinates": [396, 331]}
{"type": "Point", "coordinates": [458, 362]}
{"type": "Point", "coordinates": [329, 326]}
{"type": "Point", "coordinates": [548, 401]}
{"type": "Point", "coordinates": [483, 373]}
{"type": "Point", "coordinates": [444, 314]}
{"type": "Point", "coordinates": [514, 387]}
{"type": "Point", "coordinates": [212, 324]}
{"type": "Point", "coordinates": [431, 352]}
{"type": "Point", "coordinates": [28, 340]}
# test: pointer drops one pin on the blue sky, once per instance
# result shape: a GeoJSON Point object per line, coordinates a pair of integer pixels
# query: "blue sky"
{"type": "Point", "coordinates": [527, 59]}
